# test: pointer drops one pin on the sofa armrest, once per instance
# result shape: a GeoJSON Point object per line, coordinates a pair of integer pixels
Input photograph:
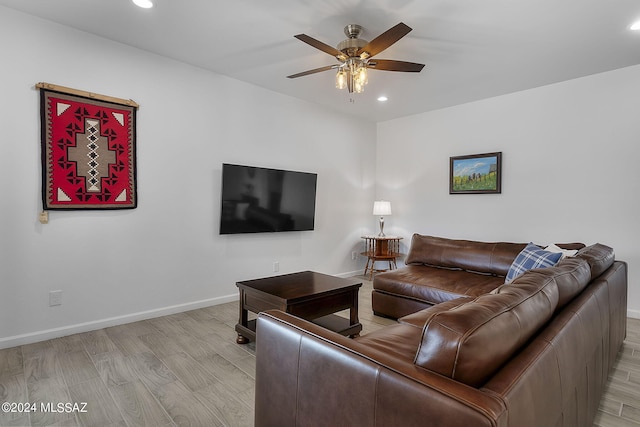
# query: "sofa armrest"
{"type": "Point", "coordinates": [306, 374]}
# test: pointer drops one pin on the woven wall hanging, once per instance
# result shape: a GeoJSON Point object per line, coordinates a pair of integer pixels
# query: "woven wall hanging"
{"type": "Point", "coordinates": [88, 150]}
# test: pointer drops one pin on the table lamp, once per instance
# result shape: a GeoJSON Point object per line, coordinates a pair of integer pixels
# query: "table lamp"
{"type": "Point", "coordinates": [381, 208]}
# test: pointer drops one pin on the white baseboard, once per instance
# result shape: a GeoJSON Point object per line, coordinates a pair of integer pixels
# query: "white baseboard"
{"type": "Point", "coordinates": [48, 334]}
{"type": "Point", "coordinates": [64, 331]}
{"type": "Point", "coordinates": [350, 274]}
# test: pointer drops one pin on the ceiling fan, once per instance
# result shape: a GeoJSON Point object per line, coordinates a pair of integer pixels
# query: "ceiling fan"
{"type": "Point", "coordinates": [356, 56]}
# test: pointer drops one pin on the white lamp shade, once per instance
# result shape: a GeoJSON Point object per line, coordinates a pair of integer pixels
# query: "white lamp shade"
{"type": "Point", "coordinates": [145, 4]}
{"type": "Point", "coordinates": [381, 207]}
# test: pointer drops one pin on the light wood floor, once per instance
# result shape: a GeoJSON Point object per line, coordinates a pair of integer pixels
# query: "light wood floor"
{"type": "Point", "coordinates": [187, 370]}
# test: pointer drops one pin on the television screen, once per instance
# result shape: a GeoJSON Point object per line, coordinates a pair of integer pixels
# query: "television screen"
{"type": "Point", "coordinates": [259, 200]}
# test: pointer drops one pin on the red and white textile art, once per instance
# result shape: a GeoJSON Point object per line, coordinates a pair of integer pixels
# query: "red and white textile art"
{"type": "Point", "coordinates": [88, 152]}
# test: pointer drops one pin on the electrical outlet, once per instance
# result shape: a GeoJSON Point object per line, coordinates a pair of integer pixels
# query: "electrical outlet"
{"type": "Point", "coordinates": [276, 267]}
{"type": "Point", "coordinates": [55, 298]}
{"type": "Point", "coordinates": [354, 255]}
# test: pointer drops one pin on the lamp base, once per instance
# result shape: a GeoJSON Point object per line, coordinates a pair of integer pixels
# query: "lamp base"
{"type": "Point", "coordinates": [381, 234]}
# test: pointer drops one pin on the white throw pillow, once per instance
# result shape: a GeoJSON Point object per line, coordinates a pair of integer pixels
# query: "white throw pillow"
{"type": "Point", "coordinates": [565, 252]}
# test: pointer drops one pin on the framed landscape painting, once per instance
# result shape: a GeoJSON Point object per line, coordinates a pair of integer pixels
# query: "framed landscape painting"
{"type": "Point", "coordinates": [476, 174]}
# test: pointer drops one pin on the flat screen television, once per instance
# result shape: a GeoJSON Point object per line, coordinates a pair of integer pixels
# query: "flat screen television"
{"type": "Point", "coordinates": [262, 200]}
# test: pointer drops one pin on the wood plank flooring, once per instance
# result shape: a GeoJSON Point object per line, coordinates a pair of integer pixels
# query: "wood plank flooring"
{"type": "Point", "coordinates": [187, 370]}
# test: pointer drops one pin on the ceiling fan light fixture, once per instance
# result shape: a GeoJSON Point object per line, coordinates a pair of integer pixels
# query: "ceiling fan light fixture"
{"type": "Point", "coordinates": [341, 79]}
{"type": "Point", "coordinates": [352, 75]}
{"type": "Point", "coordinates": [361, 75]}
{"type": "Point", "coordinates": [145, 4]}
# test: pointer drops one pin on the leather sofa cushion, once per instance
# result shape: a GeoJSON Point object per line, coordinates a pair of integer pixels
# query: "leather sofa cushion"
{"type": "Point", "coordinates": [492, 258]}
{"type": "Point", "coordinates": [419, 318]}
{"type": "Point", "coordinates": [600, 257]}
{"type": "Point", "coordinates": [434, 285]}
{"type": "Point", "coordinates": [469, 343]}
{"type": "Point", "coordinates": [399, 340]}
{"type": "Point", "coordinates": [571, 274]}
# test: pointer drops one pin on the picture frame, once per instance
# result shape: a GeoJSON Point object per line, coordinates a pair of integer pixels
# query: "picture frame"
{"type": "Point", "coordinates": [476, 174]}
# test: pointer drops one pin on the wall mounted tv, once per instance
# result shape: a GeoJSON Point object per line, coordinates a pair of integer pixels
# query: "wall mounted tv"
{"type": "Point", "coordinates": [261, 200]}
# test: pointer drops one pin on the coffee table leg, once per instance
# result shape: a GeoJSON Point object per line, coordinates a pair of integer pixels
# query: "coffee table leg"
{"type": "Point", "coordinates": [353, 312]}
{"type": "Point", "coordinates": [243, 319]}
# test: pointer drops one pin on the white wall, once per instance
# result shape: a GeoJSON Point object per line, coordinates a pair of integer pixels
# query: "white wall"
{"type": "Point", "coordinates": [166, 255]}
{"type": "Point", "coordinates": [570, 168]}
{"type": "Point", "coordinates": [569, 152]}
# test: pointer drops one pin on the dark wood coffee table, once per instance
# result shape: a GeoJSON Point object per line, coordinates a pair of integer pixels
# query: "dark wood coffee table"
{"type": "Point", "coordinates": [309, 295]}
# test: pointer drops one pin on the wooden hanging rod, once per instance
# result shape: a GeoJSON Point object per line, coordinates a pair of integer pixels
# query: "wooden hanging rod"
{"type": "Point", "coordinates": [70, 91]}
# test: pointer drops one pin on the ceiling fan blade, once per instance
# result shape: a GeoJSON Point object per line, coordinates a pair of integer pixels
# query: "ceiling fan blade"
{"type": "Point", "coordinates": [391, 65]}
{"type": "Point", "coordinates": [321, 46]}
{"type": "Point", "coordinates": [385, 40]}
{"type": "Point", "coordinates": [315, 70]}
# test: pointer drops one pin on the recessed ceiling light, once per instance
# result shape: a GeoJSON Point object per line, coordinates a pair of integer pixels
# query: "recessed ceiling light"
{"type": "Point", "coordinates": [635, 26]}
{"type": "Point", "coordinates": [145, 4]}
{"type": "Point", "coordinates": [382, 98]}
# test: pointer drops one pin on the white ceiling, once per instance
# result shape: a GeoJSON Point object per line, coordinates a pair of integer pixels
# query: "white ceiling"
{"type": "Point", "coordinates": [473, 49]}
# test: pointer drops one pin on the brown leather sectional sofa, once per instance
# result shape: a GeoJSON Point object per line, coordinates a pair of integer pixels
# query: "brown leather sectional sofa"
{"type": "Point", "coordinates": [535, 352]}
{"type": "Point", "coordinates": [439, 270]}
